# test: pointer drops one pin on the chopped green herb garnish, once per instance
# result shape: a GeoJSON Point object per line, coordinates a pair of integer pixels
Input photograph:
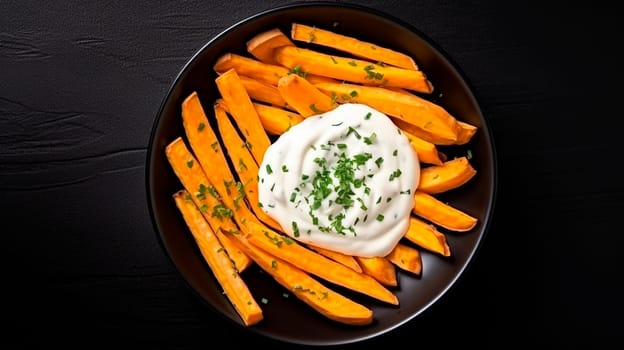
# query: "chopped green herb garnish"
{"type": "Point", "coordinates": [371, 74]}
{"type": "Point", "coordinates": [395, 174]}
{"type": "Point", "coordinates": [314, 109]}
{"type": "Point", "coordinates": [213, 192]}
{"type": "Point", "coordinates": [351, 130]}
{"type": "Point", "coordinates": [220, 211]}
{"type": "Point", "coordinates": [201, 192]}
{"type": "Point", "coordinates": [379, 161]}
{"type": "Point", "coordinates": [295, 229]}
{"type": "Point", "coordinates": [370, 139]}
{"type": "Point", "coordinates": [297, 70]}
{"type": "Point", "coordinates": [241, 164]}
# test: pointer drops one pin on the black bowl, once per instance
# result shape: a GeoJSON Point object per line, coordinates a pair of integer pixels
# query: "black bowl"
{"type": "Point", "coordinates": [284, 318]}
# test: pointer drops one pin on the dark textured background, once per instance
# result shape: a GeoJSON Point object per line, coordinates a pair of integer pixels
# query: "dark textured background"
{"type": "Point", "coordinates": [80, 86]}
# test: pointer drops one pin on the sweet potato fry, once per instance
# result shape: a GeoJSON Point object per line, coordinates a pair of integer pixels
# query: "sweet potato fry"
{"type": "Point", "coordinates": [260, 91]}
{"type": "Point", "coordinates": [303, 96]}
{"type": "Point", "coordinates": [415, 110]}
{"type": "Point", "coordinates": [308, 260]}
{"type": "Point", "coordinates": [265, 72]}
{"type": "Point", "coordinates": [426, 135]}
{"type": "Point", "coordinates": [216, 256]}
{"type": "Point", "coordinates": [262, 44]}
{"type": "Point", "coordinates": [432, 209]}
{"type": "Point", "coordinates": [277, 120]}
{"type": "Point", "coordinates": [351, 69]}
{"type": "Point", "coordinates": [351, 45]}
{"type": "Point", "coordinates": [427, 236]}
{"type": "Point", "coordinates": [406, 258]}
{"type": "Point", "coordinates": [204, 142]}
{"type": "Point", "coordinates": [244, 113]}
{"type": "Point", "coordinates": [194, 180]}
{"type": "Point", "coordinates": [347, 260]}
{"type": "Point", "coordinates": [427, 152]}
{"type": "Point", "coordinates": [466, 132]}
{"type": "Point", "coordinates": [447, 176]}
{"type": "Point", "coordinates": [246, 190]}
{"type": "Point", "coordinates": [380, 268]}
{"type": "Point", "coordinates": [327, 302]}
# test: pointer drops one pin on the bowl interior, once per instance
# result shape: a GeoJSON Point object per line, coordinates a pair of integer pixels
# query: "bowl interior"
{"type": "Point", "coordinates": [283, 317]}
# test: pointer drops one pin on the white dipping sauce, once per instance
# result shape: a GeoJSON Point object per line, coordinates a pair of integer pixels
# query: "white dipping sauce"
{"type": "Point", "coordinates": [342, 180]}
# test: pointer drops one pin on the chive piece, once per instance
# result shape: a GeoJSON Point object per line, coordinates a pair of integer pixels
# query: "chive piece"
{"type": "Point", "coordinates": [297, 70]}
{"type": "Point", "coordinates": [395, 174]}
{"type": "Point", "coordinates": [314, 109]}
{"type": "Point", "coordinates": [295, 228]}
{"type": "Point", "coordinates": [378, 161]}
{"type": "Point", "coordinates": [370, 139]}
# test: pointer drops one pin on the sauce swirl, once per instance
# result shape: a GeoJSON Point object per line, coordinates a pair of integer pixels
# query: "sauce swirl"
{"type": "Point", "coordinates": [342, 180]}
